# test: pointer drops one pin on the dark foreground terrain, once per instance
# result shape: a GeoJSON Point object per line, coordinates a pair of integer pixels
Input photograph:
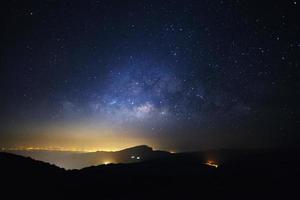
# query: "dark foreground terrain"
{"type": "Point", "coordinates": [250, 174]}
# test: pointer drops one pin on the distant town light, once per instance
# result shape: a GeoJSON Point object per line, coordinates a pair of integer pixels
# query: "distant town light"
{"type": "Point", "coordinates": [137, 157]}
{"type": "Point", "coordinates": [212, 164]}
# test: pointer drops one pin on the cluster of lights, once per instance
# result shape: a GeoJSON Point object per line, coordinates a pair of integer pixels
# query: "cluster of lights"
{"type": "Point", "coordinates": [55, 149]}
{"type": "Point", "coordinates": [40, 148]}
{"type": "Point", "coordinates": [136, 157]}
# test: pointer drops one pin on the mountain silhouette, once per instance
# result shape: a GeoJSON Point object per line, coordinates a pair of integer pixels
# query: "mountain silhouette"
{"type": "Point", "coordinates": [78, 160]}
{"type": "Point", "coordinates": [242, 174]}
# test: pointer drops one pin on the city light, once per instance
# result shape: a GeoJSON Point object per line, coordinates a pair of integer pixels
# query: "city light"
{"type": "Point", "coordinates": [212, 164]}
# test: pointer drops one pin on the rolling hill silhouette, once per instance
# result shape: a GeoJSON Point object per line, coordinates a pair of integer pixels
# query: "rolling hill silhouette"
{"type": "Point", "coordinates": [242, 174]}
{"type": "Point", "coordinates": [78, 160]}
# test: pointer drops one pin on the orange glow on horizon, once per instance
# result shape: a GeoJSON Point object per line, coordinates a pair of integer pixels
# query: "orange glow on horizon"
{"type": "Point", "coordinates": [87, 150]}
{"type": "Point", "coordinates": [75, 137]}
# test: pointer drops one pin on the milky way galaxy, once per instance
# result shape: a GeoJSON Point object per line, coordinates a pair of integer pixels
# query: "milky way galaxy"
{"type": "Point", "coordinates": [176, 75]}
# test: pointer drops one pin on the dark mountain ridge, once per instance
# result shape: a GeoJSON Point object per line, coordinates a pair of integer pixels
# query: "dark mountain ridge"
{"type": "Point", "coordinates": [248, 174]}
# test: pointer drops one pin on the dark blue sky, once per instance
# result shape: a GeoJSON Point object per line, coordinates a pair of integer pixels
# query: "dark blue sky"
{"type": "Point", "coordinates": [181, 74]}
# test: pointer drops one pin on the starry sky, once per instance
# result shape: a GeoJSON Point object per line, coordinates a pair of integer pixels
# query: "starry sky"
{"type": "Point", "coordinates": [175, 74]}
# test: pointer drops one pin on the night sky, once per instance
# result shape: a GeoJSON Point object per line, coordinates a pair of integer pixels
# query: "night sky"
{"type": "Point", "coordinates": [176, 75]}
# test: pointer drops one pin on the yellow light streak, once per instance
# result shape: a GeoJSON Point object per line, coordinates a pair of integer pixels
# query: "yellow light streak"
{"type": "Point", "coordinates": [212, 164]}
